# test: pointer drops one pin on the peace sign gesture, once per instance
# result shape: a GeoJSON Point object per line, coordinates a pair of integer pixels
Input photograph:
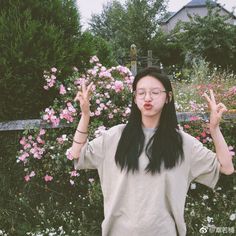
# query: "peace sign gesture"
{"type": "Point", "coordinates": [216, 110]}
{"type": "Point", "coordinates": [83, 97]}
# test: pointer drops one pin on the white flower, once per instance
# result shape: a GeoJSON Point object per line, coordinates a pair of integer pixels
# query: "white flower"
{"type": "Point", "coordinates": [232, 216]}
{"type": "Point", "coordinates": [193, 186]}
{"type": "Point", "coordinates": [205, 197]}
{"type": "Point", "coordinates": [192, 213]}
{"type": "Point", "coordinates": [209, 219]}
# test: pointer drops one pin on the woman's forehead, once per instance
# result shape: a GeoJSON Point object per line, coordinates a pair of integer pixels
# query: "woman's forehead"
{"type": "Point", "coordinates": [149, 81]}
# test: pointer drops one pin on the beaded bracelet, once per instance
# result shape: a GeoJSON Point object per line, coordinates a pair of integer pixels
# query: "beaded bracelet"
{"type": "Point", "coordinates": [81, 132]}
{"type": "Point", "coordinates": [78, 142]}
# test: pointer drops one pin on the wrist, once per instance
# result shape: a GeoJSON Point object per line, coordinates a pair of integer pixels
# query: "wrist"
{"type": "Point", "coordinates": [85, 114]}
{"type": "Point", "coordinates": [214, 128]}
{"type": "Point", "coordinates": [215, 132]}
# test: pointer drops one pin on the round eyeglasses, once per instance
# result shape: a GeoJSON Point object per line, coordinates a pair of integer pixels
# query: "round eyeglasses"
{"type": "Point", "coordinates": [154, 93]}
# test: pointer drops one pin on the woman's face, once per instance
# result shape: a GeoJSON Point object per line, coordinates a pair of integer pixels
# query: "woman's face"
{"type": "Point", "coordinates": [150, 97]}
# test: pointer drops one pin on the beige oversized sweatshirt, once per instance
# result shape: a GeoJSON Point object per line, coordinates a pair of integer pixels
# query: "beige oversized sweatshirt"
{"type": "Point", "coordinates": [143, 204]}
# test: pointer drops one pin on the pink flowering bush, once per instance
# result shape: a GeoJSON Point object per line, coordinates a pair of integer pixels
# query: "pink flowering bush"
{"type": "Point", "coordinates": [201, 78]}
{"type": "Point", "coordinates": [45, 153]}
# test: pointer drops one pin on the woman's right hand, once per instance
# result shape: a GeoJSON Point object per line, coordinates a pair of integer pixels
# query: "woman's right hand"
{"type": "Point", "coordinates": [83, 97]}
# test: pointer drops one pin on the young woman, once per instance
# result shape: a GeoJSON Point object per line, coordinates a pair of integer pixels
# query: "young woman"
{"type": "Point", "coordinates": [146, 166]}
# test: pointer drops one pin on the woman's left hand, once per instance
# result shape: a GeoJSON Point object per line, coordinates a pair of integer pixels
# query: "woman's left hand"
{"type": "Point", "coordinates": [216, 110]}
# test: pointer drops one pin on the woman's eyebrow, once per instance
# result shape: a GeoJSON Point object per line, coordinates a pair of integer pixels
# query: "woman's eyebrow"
{"type": "Point", "coordinates": [150, 88]}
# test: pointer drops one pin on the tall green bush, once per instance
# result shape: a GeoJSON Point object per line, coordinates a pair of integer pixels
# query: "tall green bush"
{"type": "Point", "coordinates": [34, 35]}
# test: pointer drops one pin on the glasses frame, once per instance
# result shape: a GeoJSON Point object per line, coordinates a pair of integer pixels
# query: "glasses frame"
{"type": "Point", "coordinates": [150, 93]}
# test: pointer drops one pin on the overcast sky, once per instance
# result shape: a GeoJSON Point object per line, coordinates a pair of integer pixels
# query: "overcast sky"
{"type": "Point", "coordinates": [87, 7]}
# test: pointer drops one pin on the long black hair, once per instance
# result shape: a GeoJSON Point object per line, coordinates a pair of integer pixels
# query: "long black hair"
{"type": "Point", "coordinates": [165, 146]}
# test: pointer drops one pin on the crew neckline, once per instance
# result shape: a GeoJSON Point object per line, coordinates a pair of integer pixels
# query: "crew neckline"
{"type": "Point", "coordinates": [149, 129]}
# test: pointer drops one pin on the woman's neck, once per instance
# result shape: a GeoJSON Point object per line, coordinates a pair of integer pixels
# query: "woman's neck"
{"type": "Point", "coordinates": [149, 122]}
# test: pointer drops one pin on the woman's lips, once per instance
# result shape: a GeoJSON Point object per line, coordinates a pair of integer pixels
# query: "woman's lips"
{"type": "Point", "coordinates": [148, 106]}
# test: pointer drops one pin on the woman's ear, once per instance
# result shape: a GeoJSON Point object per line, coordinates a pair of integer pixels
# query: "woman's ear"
{"type": "Point", "coordinates": [169, 97]}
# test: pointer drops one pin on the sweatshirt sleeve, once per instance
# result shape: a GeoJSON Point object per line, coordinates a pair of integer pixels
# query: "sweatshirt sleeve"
{"type": "Point", "coordinates": [95, 151]}
{"type": "Point", "coordinates": [91, 155]}
{"type": "Point", "coordinates": [205, 167]}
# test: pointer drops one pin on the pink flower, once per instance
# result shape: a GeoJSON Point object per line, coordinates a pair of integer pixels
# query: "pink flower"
{"type": "Point", "coordinates": [52, 78]}
{"type": "Point", "coordinates": [186, 126]}
{"type": "Point", "coordinates": [118, 86]}
{"type": "Point", "coordinates": [53, 70]}
{"type": "Point", "coordinates": [68, 154]}
{"type": "Point", "coordinates": [48, 178]}
{"type": "Point", "coordinates": [27, 178]}
{"type": "Point", "coordinates": [73, 173]}
{"type": "Point", "coordinates": [203, 134]}
{"type": "Point", "coordinates": [55, 121]}
{"type": "Point", "coordinates": [62, 90]}
{"type": "Point", "coordinates": [110, 116]}
{"type": "Point", "coordinates": [60, 140]}
{"type": "Point", "coordinates": [70, 107]}
{"type": "Point", "coordinates": [32, 174]}
{"type": "Point", "coordinates": [102, 105]}
{"type": "Point", "coordinates": [127, 111]}
{"type": "Point", "coordinates": [42, 132]}
{"type": "Point", "coordinates": [104, 74]}
{"type": "Point", "coordinates": [193, 118]}
{"type": "Point", "coordinates": [68, 113]}
{"type": "Point", "coordinates": [40, 141]}
{"type": "Point", "coordinates": [94, 59]}
{"type": "Point", "coordinates": [26, 146]}
{"type": "Point", "coordinates": [97, 113]}
{"type": "Point", "coordinates": [23, 141]}
{"type": "Point", "coordinates": [204, 140]}
{"type": "Point", "coordinates": [23, 156]}
{"type": "Point", "coordinates": [232, 153]}
{"type": "Point", "coordinates": [50, 117]}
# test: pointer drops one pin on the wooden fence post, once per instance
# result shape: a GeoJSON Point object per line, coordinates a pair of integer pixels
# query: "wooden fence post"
{"type": "Point", "coordinates": [133, 59]}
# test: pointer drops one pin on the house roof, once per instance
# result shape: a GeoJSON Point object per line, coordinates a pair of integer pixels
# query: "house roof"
{"type": "Point", "coordinates": [197, 3]}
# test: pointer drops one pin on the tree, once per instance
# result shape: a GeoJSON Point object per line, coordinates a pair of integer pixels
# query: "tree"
{"type": "Point", "coordinates": [168, 49]}
{"type": "Point", "coordinates": [109, 26]}
{"type": "Point", "coordinates": [135, 22]}
{"type": "Point", "coordinates": [34, 36]}
{"type": "Point", "coordinates": [210, 37]}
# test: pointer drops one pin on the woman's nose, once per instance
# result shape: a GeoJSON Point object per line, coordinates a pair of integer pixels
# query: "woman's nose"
{"type": "Point", "coordinates": [148, 97]}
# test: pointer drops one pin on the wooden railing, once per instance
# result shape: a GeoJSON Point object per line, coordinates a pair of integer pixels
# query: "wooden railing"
{"type": "Point", "coordinates": [36, 123]}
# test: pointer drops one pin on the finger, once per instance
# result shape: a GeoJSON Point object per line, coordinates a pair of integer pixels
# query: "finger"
{"type": "Point", "coordinates": [207, 97]}
{"type": "Point", "coordinates": [212, 96]}
{"type": "Point", "coordinates": [78, 96]}
{"type": "Point", "coordinates": [221, 108]}
{"type": "Point", "coordinates": [83, 87]}
{"type": "Point", "coordinates": [89, 88]}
